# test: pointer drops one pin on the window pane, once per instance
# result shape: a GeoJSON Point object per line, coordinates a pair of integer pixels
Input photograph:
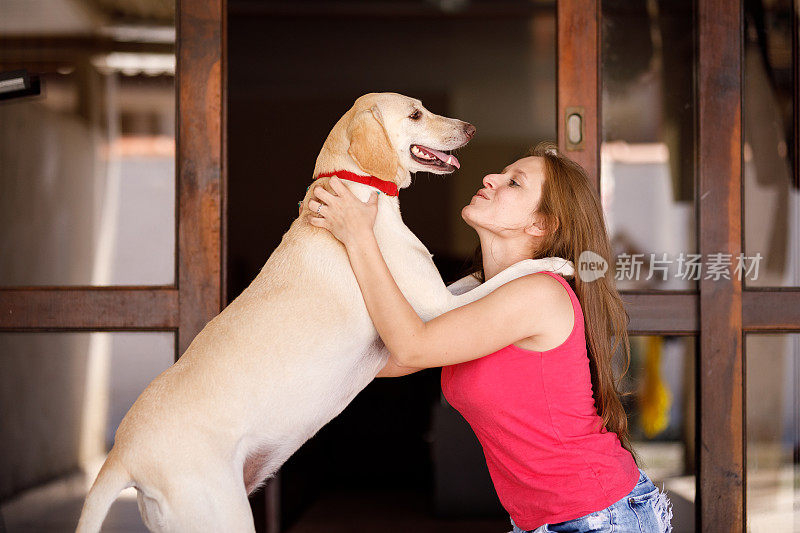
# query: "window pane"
{"type": "Point", "coordinates": [661, 416]}
{"type": "Point", "coordinates": [773, 432]}
{"type": "Point", "coordinates": [87, 184]}
{"type": "Point", "coordinates": [62, 396]}
{"type": "Point", "coordinates": [771, 190]}
{"type": "Point", "coordinates": [647, 148]}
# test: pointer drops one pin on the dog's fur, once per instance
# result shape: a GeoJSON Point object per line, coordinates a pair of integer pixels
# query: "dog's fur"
{"type": "Point", "coordinates": [291, 351]}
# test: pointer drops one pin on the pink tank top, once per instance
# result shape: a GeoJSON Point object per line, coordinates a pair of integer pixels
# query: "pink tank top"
{"type": "Point", "coordinates": [549, 456]}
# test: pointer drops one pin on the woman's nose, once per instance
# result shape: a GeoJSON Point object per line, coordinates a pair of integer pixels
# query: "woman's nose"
{"type": "Point", "coordinates": [489, 180]}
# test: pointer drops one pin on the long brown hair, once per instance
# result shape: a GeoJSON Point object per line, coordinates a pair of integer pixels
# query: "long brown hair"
{"type": "Point", "coordinates": [574, 217]}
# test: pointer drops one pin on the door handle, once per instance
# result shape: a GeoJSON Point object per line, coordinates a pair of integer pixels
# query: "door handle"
{"type": "Point", "coordinates": [574, 128]}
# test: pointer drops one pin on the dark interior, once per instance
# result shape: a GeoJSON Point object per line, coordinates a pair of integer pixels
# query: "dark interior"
{"type": "Point", "coordinates": [292, 74]}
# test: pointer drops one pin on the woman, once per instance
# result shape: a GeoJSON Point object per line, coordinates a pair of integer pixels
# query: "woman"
{"type": "Point", "coordinates": [515, 363]}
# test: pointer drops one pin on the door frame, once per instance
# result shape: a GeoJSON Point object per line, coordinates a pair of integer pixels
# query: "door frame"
{"type": "Point", "coordinates": [720, 312]}
{"type": "Point", "coordinates": [202, 170]}
{"type": "Point", "coordinates": [198, 293]}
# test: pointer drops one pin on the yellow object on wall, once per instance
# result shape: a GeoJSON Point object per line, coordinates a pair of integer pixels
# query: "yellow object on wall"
{"type": "Point", "coordinates": [655, 397]}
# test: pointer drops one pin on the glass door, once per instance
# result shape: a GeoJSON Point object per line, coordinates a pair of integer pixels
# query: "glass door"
{"type": "Point", "coordinates": [111, 198]}
{"type": "Point", "coordinates": [687, 115]}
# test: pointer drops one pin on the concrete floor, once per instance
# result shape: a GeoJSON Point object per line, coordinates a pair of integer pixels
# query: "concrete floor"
{"type": "Point", "coordinates": [385, 512]}
{"type": "Point", "coordinates": [55, 507]}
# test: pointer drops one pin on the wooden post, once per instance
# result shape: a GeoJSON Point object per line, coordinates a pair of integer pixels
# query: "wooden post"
{"type": "Point", "coordinates": [721, 481]}
{"type": "Point", "coordinates": [201, 165]}
{"type": "Point", "coordinates": [578, 78]}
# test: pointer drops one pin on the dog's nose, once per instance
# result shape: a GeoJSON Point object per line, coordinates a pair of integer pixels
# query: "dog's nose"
{"type": "Point", "coordinates": [469, 129]}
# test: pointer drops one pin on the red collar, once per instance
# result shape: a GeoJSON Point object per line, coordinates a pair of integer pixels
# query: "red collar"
{"type": "Point", "coordinates": [386, 187]}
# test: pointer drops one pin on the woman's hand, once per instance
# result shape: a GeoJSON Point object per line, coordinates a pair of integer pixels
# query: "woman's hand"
{"type": "Point", "coordinates": [342, 213]}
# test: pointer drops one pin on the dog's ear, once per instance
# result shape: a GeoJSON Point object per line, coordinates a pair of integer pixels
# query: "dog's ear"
{"type": "Point", "coordinates": [370, 146]}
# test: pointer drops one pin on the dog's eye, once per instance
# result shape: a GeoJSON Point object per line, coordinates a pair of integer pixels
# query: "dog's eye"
{"type": "Point", "coordinates": [416, 115]}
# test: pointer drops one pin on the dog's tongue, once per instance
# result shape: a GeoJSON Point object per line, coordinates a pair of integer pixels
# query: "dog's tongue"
{"type": "Point", "coordinates": [447, 158]}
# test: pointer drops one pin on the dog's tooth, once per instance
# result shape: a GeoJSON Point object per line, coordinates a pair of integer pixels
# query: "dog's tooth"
{"type": "Point", "coordinates": [449, 159]}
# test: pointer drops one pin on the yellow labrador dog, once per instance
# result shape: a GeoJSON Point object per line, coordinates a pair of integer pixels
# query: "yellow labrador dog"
{"type": "Point", "coordinates": [295, 347]}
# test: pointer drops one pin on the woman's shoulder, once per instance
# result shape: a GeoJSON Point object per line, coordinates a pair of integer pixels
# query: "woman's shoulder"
{"type": "Point", "coordinates": [539, 296]}
{"type": "Point", "coordinates": [556, 324]}
{"type": "Point", "coordinates": [543, 290]}
{"type": "Point", "coordinates": [547, 285]}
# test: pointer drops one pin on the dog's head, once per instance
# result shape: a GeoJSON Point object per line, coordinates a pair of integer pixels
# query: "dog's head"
{"type": "Point", "coordinates": [390, 135]}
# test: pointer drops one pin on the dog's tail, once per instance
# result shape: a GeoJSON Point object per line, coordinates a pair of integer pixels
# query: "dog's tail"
{"type": "Point", "coordinates": [110, 481]}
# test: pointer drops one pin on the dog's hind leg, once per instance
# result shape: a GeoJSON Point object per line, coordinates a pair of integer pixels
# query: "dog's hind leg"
{"type": "Point", "coordinates": [206, 503]}
{"type": "Point", "coordinates": [151, 512]}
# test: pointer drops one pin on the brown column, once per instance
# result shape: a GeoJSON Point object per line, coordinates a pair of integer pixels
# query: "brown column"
{"type": "Point", "coordinates": [721, 481]}
{"type": "Point", "coordinates": [201, 163]}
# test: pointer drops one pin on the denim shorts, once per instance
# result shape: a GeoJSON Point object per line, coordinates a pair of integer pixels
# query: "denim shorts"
{"type": "Point", "coordinates": [644, 510]}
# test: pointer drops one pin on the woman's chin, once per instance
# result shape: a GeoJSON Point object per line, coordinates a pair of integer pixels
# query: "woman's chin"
{"type": "Point", "coordinates": [465, 215]}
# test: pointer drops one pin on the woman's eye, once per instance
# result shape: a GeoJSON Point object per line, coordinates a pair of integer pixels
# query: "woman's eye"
{"type": "Point", "coordinates": [514, 182]}
{"type": "Point", "coordinates": [415, 115]}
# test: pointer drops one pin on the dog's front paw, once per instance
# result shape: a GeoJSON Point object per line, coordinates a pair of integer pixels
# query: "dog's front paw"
{"type": "Point", "coordinates": [557, 265]}
{"type": "Point", "coordinates": [560, 266]}
{"type": "Point", "coordinates": [467, 283]}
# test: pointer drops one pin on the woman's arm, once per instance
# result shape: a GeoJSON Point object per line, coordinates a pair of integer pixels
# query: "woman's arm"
{"type": "Point", "coordinates": [514, 311]}
{"type": "Point", "coordinates": [393, 370]}
{"type": "Point", "coordinates": [510, 313]}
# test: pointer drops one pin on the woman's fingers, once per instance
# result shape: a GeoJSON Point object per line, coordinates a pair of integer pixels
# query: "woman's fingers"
{"type": "Point", "coordinates": [313, 205]}
{"type": "Point", "coordinates": [323, 195]}
{"type": "Point", "coordinates": [340, 188]}
{"type": "Point", "coordinates": [319, 222]}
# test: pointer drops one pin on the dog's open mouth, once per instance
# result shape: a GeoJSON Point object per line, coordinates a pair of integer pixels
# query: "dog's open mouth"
{"type": "Point", "coordinates": [434, 158]}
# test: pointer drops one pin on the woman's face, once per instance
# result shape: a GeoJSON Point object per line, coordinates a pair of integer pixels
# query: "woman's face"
{"type": "Point", "coordinates": [508, 200]}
